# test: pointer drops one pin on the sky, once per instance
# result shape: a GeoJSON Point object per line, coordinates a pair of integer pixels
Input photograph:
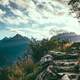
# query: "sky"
{"type": "Point", "coordinates": [36, 18]}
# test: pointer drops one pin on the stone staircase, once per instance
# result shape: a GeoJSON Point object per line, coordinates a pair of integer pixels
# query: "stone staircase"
{"type": "Point", "coordinates": [60, 65]}
{"type": "Point", "coordinates": [65, 63]}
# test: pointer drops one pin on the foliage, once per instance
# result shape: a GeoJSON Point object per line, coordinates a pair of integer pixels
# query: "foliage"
{"type": "Point", "coordinates": [75, 7]}
{"type": "Point", "coordinates": [27, 67]}
{"type": "Point", "coordinates": [40, 48]}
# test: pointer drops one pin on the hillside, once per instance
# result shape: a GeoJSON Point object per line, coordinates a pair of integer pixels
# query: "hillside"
{"type": "Point", "coordinates": [48, 60]}
{"type": "Point", "coordinates": [12, 48]}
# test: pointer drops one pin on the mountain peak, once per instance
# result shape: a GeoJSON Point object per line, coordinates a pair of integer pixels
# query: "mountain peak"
{"type": "Point", "coordinates": [5, 38]}
{"type": "Point", "coordinates": [12, 48]}
{"type": "Point", "coordinates": [18, 36]}
{"type": "Point", "coordinates": [71, 36]}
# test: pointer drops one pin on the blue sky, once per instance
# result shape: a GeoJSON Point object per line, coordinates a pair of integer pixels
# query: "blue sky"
{"type": "Point", "coordinates": [35, 18]}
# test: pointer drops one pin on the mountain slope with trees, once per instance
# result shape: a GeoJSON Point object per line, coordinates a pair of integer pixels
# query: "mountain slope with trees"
{"type": "Point", "coordinates": [12, 48]}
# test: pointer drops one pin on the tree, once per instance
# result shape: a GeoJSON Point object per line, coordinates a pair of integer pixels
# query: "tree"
{"type": "Point", "coordinates": [75, 7]}
{"type": "Point", "coordinates": [39, 49]}
{"type": "Point", "coordinates": [3, 74]}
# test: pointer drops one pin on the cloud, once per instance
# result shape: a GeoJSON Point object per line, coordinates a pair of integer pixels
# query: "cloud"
{"type": "Point", "coordinates": [2, 12]}
{"type": "Point", "coordinates": [37, 32]}
{"type": "Point", "coordinates": [20, 3]}
{"type": "Point", "coordinates": [4, 2]}
{"type": "Point", "coordinates": [34, 31]}
{"type": "Point", "coordinates": [17, 12]}
{"type": "Point", "coordinates": [35, 13]}
{"type": "Point", "coordinates": [14, 21]}
{"type": "Point", "coordinates": [36, 17]}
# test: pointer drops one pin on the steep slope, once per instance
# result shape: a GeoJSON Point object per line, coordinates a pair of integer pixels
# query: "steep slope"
{"type": "Point", "coordinates": [12, 48]}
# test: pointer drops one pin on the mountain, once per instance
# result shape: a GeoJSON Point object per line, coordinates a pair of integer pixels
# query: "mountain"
{"type": "Point", "coordinates": [12, 48]}
{"type": "Point", "coordinates": [72, 37]}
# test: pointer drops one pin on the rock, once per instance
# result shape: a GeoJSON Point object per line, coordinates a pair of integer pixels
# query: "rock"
{"type": "Point", "coordinates": [65, 77]}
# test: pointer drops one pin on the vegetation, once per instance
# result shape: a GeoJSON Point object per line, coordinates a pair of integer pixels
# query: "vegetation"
{"type": "Point", "coordinates": [28, 67]}
{"type": "Point", "coordinates": [75, 7]}
{"type": "Point", "coordinates": [40, 48]}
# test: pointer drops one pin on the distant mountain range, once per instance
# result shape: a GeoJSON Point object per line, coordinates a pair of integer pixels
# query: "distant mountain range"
{"type": "Point", "coordinates": [12, 48]}
{"type": "Point", "coordinates": [72, 37]}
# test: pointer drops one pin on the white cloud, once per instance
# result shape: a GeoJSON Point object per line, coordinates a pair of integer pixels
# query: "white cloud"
{"type": "Point", "coordinates": [6, 33]}
{"type": "Point", "coordinates": [4, 2]}
{"type": "Point", "coordinates": [17, 12]}
{"type": "Point", "coordinates": [48, 14]}
{"type": "Point", "coordinates": [15, 21]}
{"type": "Point", "coordinates": [36, 32]}
{"type": "Point", "coordinates": [2, 12]}
{"type": "Point", "coordinates": [52, 15]}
